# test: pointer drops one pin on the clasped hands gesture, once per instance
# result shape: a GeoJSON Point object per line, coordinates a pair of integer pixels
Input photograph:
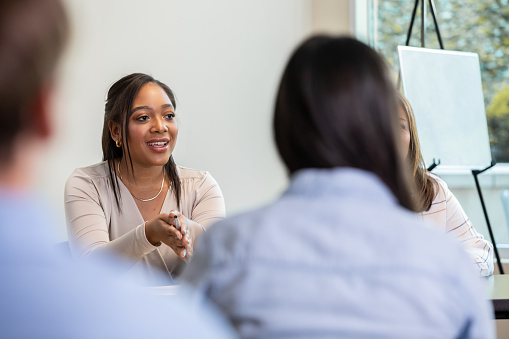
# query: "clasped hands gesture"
{"type": "Point", "coordinates": [163, 229]}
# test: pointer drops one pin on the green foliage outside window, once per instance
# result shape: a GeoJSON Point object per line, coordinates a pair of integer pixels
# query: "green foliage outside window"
{"type": "Point", "coordinates": [480, 26]}
{"type": "Point", "coordinates": [498, 124]}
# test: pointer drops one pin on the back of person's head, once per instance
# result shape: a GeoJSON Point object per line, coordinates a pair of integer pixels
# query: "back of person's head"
{"type": "Point", "coordinates": [32, 37]}
{"type": "Point", "coordinates": [336, 107]}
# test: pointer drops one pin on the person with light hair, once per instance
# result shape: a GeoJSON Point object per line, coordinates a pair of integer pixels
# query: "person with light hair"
{"type": "Point", "coordinates": [437, 205]}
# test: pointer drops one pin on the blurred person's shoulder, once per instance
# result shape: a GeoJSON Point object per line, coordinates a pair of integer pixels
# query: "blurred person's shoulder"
{"type": "Point", "coordinates": [388, 232]}
{"type": "Point", "coordinates": [86, 299]}
{"type": "Point", "coordinates": [45, 294]}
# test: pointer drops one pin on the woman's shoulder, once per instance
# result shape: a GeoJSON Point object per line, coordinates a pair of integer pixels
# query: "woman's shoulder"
{"type": "Point", "coordinates": [99, 170]}
{"type": "Point", "coordinates": [94, 175]}
{"type": "Point", "coordinates": [196, 180]}
{"type": "Point", "coordinates": [442, 190]}
{"type": "Point", "coordinates": [186, 173]}
{"type": "Point", "coordinates": [92, 179]}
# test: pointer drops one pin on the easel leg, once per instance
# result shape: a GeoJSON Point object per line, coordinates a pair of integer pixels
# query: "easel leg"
{"type": "Point", "coordinates": [475, 173]}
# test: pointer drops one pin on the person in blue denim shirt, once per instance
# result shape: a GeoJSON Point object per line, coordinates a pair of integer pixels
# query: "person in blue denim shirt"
{"type": "Point", "coordinates": [340, 254]}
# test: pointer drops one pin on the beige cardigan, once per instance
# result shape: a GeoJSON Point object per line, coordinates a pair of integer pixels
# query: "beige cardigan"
{"type": "Point", "coordinates": [95, 224]}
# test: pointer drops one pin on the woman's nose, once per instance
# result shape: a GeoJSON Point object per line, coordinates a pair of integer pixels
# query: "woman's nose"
{"type": "Point", "coordinates": [159, 126]}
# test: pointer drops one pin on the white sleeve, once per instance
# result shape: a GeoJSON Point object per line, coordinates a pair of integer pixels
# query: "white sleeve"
{"type": "Point", "coordinates": [460, 227]}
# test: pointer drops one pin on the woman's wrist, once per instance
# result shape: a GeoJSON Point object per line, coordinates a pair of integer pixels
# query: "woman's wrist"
{"type": "Point", "coordinates": [150, 237]}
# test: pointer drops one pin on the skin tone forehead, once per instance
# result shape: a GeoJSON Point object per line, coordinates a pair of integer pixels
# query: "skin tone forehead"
{"type": "Point", "coordinates": [150, 97]}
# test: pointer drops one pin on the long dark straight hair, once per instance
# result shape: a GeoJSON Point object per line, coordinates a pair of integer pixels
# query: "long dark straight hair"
{"type": "Point", "coordinates": [336, 107]}
{"type": "Point", "coordinates": [118, 109]}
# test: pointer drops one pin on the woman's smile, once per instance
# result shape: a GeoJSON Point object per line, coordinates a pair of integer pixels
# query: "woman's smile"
{"type": "Point", "coordinates": [153, 129]}
{"type": "Point", "coordinates": [158, 145]}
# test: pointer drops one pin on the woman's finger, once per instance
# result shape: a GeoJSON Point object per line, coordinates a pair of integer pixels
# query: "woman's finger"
{"type": "Point", "coordinates": [179, 223]}
{"type": "Point", "coordinates": [189, 253]}
{"type": "Point", "coordinates": [176, 245]}
{"type": "Point", "coordinates": [173, 221]}
{"type": "Point", "coordinates": [176, 219]}
{"type": "Point", "coordinates": [172, 231]}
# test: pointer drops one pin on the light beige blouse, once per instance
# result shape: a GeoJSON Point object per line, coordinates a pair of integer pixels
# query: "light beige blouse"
{"type": "Point", "coordinates": [96, 225]}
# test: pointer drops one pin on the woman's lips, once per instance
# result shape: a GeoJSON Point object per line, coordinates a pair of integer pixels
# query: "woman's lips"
{"type": "Point", "coordinates": [158, 146]}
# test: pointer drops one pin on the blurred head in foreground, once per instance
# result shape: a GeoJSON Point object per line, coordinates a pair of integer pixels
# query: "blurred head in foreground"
{"type": "Point", "coordinates": [43, 295]}
{"type": "Point", "coordinates": [32, 37]}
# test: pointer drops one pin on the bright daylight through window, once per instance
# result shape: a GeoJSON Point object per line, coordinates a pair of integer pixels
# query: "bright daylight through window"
{"type": "Point", "coordinates": [480, 26]}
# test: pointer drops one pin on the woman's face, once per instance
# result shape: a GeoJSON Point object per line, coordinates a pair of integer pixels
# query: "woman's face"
{"type": "Point", "coordinates": [152, 127]}
{"type": "Point", "coordinates": [405, 131]}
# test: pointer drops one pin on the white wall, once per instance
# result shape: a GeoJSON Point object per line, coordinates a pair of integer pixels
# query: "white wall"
{"type": "Point", "coordinates": [222, 58]}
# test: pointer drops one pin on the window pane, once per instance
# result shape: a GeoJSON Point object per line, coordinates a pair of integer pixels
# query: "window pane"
{"type": "Point", "coordinates": [480, 26]}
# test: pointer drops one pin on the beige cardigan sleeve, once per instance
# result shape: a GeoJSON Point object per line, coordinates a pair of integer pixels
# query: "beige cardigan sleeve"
{"type": "Point", "coordinates": [208, 206]}
{"type": "Point", "coordinates": [87, 210]}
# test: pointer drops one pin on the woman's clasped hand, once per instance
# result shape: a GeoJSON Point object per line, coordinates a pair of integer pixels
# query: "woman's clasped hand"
{"type": "Point", "coordinates": [165, 228]}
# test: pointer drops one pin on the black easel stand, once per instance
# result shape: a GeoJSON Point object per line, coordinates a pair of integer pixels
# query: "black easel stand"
{"type": "Point", "coordinates": [423, 27]}
{"type": "Point", "coordinates": [433, 165]}
{"type": "Point", "coordinates": [423, 22]}
{"type": "Point", "coordinates": [475, 173]}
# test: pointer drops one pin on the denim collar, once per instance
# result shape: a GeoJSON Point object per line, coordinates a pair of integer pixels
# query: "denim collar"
{"type": "Point", "coordinates": [343, 181]}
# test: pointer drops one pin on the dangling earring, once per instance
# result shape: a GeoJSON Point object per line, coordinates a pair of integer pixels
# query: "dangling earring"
{"type": "Point", "coordinates": [118, 143]}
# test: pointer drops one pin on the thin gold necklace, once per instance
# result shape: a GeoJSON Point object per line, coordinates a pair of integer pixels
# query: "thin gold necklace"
{"type": "Point", "coordinates": [144, 200]}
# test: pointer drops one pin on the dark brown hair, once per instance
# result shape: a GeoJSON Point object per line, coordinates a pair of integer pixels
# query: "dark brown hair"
{"type": "Point", "coordinates": [118, 109]}
{"type": "Point", "coordinates": [336, 107]}
{"type": "Point", "coordinates": [33, 34]}
{"type": "Point", "coordinates": [425, 184]}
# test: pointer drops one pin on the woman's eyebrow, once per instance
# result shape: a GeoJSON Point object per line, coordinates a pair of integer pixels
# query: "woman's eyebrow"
{"type": "Point", "coordinates": [148, 108]}
{"type": "Point", "coordinates": [139, 108]}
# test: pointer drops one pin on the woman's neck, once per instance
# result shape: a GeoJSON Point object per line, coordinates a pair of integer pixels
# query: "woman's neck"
{"type": "Point", "coordinates": [144, 176]}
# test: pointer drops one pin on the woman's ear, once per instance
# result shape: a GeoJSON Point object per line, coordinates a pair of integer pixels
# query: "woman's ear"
{"type": "Point", "coordinates": [115, 131]}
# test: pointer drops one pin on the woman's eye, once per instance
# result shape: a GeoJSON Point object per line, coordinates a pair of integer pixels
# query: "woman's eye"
{"type": "Point", "coordinates": [170, 116]}
{"type": "Point", "coordinates": [403, 127]}
{"type": "Point", "coordinates": [142, 118]}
